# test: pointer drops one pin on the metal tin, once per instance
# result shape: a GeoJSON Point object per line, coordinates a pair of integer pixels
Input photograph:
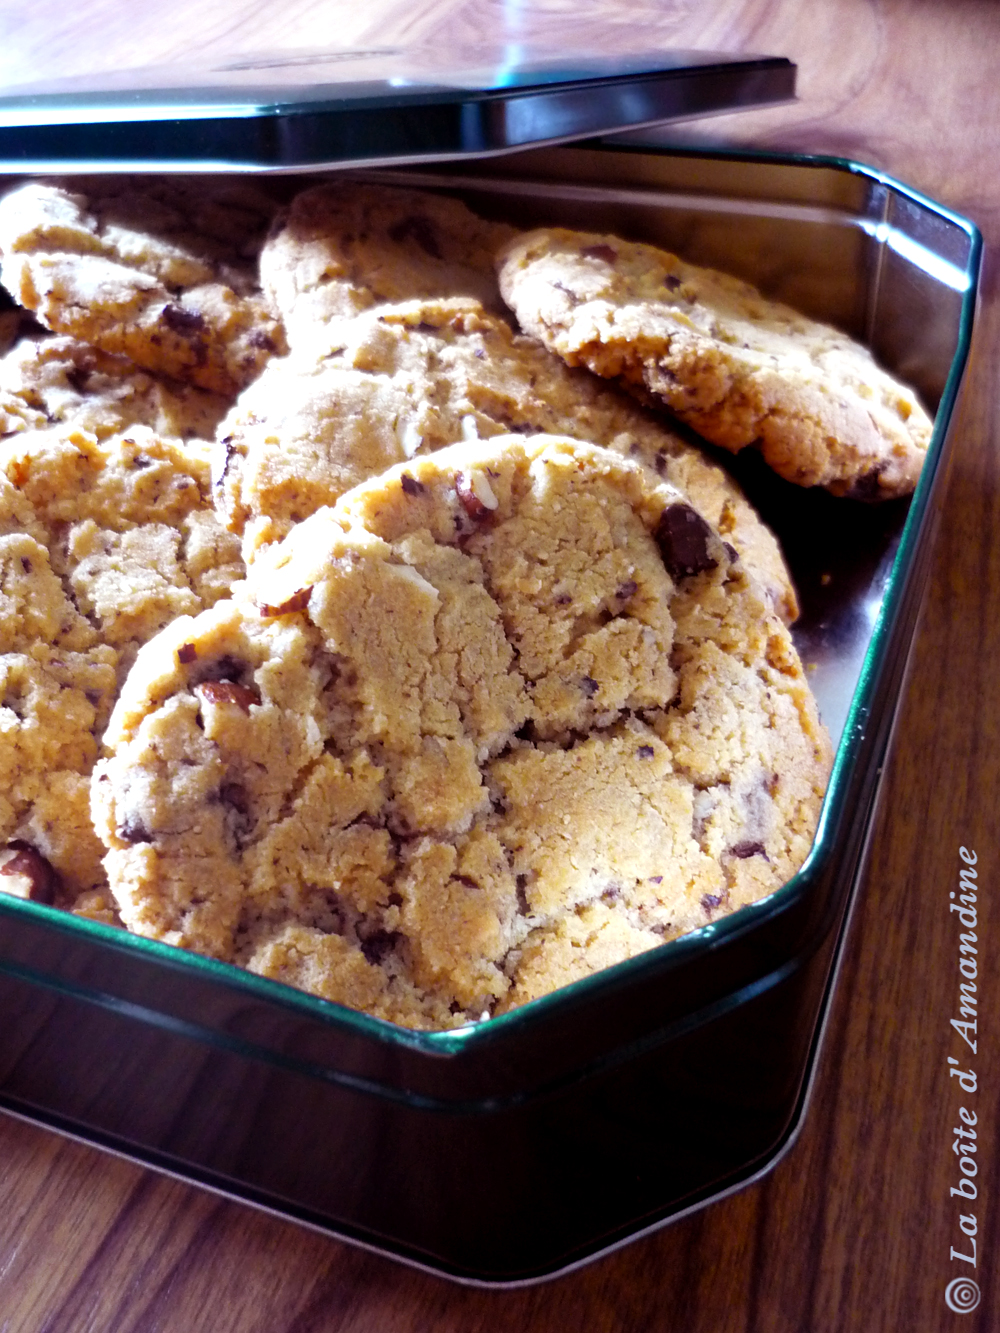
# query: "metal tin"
{"type": "Point", "coordinates": [518, 1148]}
{"type": "Point", "coordinates": [284, 113]}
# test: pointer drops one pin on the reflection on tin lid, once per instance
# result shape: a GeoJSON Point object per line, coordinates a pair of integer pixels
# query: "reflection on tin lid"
{"type": "Point", "coordinates": [297, 109]}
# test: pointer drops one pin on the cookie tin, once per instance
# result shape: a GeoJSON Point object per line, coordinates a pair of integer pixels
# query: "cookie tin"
{"type": "Point", "coordinates": [297, 110]}
{"type": "Point", "coordinates": [515, 1149]}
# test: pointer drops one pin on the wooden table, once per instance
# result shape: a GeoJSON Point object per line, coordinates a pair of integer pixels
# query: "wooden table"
{"type": "Point", "coordinates": [853, 1230]}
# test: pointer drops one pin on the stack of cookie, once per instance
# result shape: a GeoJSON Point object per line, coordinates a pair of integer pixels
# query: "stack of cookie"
{"type": "Point", "coordinates": [356, 637]}
{"type": "Point", "coordinates": [149, 321]}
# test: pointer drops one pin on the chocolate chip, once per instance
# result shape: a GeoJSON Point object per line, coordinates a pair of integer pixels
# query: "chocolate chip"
{"type": "Point", "coordinates": [181, 321]}
{"type": "Point", "coordinates": [656, 879]}
{"type": "Point", "coordinates": [671, 282]}
{"type": "Point", "coordinates": [226, 667]}
{"type": "Point", "coordinates": [141, 462]}
{"type": "Point", "coordinates": [79, 378]}
{"type": "Point", "coordinates": [187, 653]}
{"type": "Point", "coordinates": [419, 230]}
{"type": "Point", "coordinates": [234, 794]}
{"type": "Point", "coordinates": [262, 341]}
{"type": "Point", "coordinates": [132, 829]}
{"type": "Point", "coordinates": [239, 821]}
{"type": "Point", "coordinates": [604, 252]}
{"type": "Point", "coordinates": [34, 878]}
{"type": "Point", "coordinates": [743, 850]}
{"type": "Point", "coordinates": [522, 895]}
{"type": "Point", "coordinates": [645, 752]}
{"type": "Point", "coordinates": [684, 538]}
{"type": "Point", "coordinates": [297, 602]}
{"type": "Point", "coordinates": [589, 686]}
{"type": "Point", "coordinates": [626, 590]}
{"type": "Point", "coordinates": [227, 692]}
{"type": "Point", "coordinates": [711, 900]}
{"type": "Point", "coordinates": [612, 893]}
{"type": "Point", "coordinates": [379, 945]}
{"type": "Point", "coordinates": [410, 485]}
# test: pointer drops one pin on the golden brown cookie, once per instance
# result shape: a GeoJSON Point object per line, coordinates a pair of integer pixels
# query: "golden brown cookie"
{"type": "Point", "coordinates": [344, 247]}
{"type": "Point", "coordinates": [61, 381]}
{"type": "Point", "coordinates": [161, 270]}
{"type": "Point", "coordinates": [103, 543]}
{"type": "Point", "coordinates": [505, 714]}
{"type": "Point", "coordinates": [57, 683]}
{"type": "Point", "coordinates": [127, 526]}
{"type": "Point", "coordinates": [403, 380]}
{"type": "Point", "coordinates": [738, 368]}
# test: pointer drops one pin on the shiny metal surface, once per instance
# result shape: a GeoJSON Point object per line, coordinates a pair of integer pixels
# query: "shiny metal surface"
{"type": "Point", "coordinates": [364, 107]}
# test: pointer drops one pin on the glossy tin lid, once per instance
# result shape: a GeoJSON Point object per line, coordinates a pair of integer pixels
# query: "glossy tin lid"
{"type": "Point", "coordinates": [312, 110]}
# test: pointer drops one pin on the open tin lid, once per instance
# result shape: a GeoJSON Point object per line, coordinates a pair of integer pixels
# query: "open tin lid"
{"type": "Point", "coordinates": [316, 110]}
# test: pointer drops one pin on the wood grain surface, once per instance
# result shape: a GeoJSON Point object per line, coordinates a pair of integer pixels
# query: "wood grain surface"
{"type": "Point", "coordinates": [854, 1230]}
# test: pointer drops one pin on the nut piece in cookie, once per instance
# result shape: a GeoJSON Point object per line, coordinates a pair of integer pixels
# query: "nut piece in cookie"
{"type": "Point", "coordinates": [344, 247]}
{"type": "Point", "coordinates": [25, 873]}
{"type": "Point", "coordinates": [505, 714]}
{"type": "Point", "coordinates": [160, 271]}
{"type": "Point", "coordinates": [740, 369]}
{"type": "Point", "coordinates": [404, 380]}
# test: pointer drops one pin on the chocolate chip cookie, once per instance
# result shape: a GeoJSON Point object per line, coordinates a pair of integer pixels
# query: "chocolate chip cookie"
{"type": "Point", "coordinates": [344, 247]}
{"type": "Point", "coordinates": [738, 368]}
{"type": "Point", "coordinates": [57, 683]}
{"type": "Point", "coordinates": [505, 714]}
{"type": "Point", "coordinates": [163, 271]}
{"type": "Point", "coordinates": [403, 380]}
{"type": "Point", "coordinates": [61, 381]}
{"type": "Point", "coordinates": [127, 525]}
{"type": "Point", "coordinates": [103, 543]}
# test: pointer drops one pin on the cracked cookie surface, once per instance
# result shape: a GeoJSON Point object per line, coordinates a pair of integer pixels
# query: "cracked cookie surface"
{"type": "Point", "coordinates": [405, 380]}
{"type": "Point", "coordinates": [127, 524]}
{"type": "Point", "coordinates": [163, 271]}
{"type": "Point", "coordinates": [740, 369]}
{"type": "Point", "coordinates": [64, 382]}
{"type": "Point", "coordinates": [103, 543]}
{"type": "Point", "coordinates": [57, 683]}
{"type": "Point", "coordinates": [344, 247]}
{"type": "Point", "coordinates": [506, 714]}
